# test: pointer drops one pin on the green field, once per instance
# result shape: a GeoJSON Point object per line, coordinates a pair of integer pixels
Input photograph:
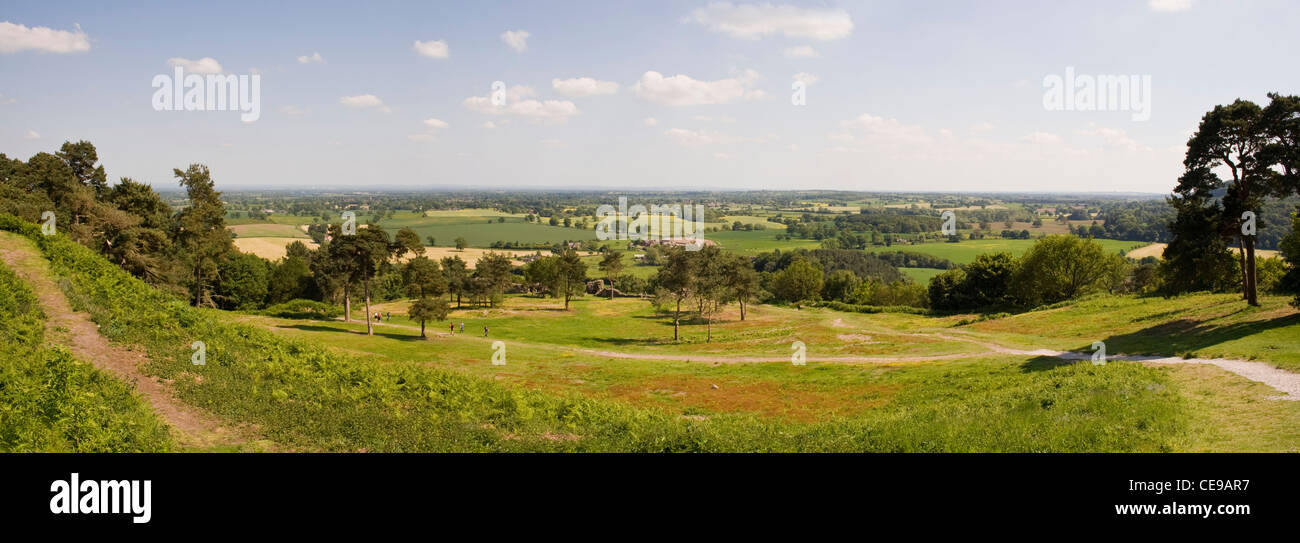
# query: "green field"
{"type": "Point", "coordinates": [965, 251]}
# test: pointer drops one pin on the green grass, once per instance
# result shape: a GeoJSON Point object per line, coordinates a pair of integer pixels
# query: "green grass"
{"type": "Point", "coordinates": [52, 402]}
{"type": "Point", "coordinates": [965, 251]}
{"type": "Point", "coordinates": [921, 275]}
{"type": "Point", "coordinates": [758, 241]}
{"type": "Point", "coordinates": [1199, 325]}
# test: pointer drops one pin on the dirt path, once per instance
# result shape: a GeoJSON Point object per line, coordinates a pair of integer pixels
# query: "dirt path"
{"type": "Point", "coordinates": [1283, 381]}
{"type": "Point", "coordinates": [191, 427]}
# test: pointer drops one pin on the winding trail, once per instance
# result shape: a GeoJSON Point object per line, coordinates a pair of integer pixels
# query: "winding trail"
{"type": "Point", "coordinates": [1285, 382]}
{"type": "Point", "coordinates": [191, 427]}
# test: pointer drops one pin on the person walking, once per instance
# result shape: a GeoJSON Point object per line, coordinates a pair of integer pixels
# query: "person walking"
{"type": "Point", "coordinates": [485, 331]}
{"type": "Point", "coordinates": [451, 327]}
{"type": "Point", "coordinates": [462, 328]}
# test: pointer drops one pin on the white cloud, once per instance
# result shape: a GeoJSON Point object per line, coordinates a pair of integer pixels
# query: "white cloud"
{"type": "Point", "coordinates": [650, 121]}
{"type": "Point", "coordinates": [519, 103]}
{"type": "Point", "coordinates": [753, 21]}
{"type": "Point", "coordinates": [801, 51]}
{"type": "Point", "coordinates": [365, 101]}
{"type": "Point", "coordinates": [1114, 137]}
{"type": "Point", "coordinates": [16, 37]}
{"type": "Point", "coordinates": [516, 39]}
{"type": "Point", "coordinates": [807, 78]}
{"type": "Point", "coordinates": [315, 58]}
{"type": "Point", "coordinates": [1170, 6]}
{"type": "Point", "coordinates": [205, 65]}
{"type": "Point", "coordinates": [1046, 138]}
{"type": "Point", "coordinates": [434, 124]}
{"type": "Point", "coordinates": [708, 119]}
{"type": "Point", "coordinates": [722, 156]}
{"type": "Point", "coordinates": [681, 90]}
{"type": "Point", "coordinates": [580, 87]}
{"type": "Point", "coordinates": [700, 138]}
{"type": "Point", "coordinates": [32, 135]}
{"type": "Point", "coordinates": [489, 125]}
{"type": "Point", "coordinates": [432, 49]}
{"type": "Point", "coordinates": [6, 100]}
{"type": "Point", "coordinates": [881, 130]}
{"type": "Point", "coordinates": [980, 128]}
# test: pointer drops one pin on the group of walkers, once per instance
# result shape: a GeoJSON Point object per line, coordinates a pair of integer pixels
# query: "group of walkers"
{"type": "Point", "coordinates": [452, 327]}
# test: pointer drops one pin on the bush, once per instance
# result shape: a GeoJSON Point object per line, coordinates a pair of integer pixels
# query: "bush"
{"type": "Point", "coordinates": [303, 309]}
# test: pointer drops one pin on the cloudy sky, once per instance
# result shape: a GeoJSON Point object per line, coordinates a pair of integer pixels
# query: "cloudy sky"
{"type": "Point", "coordinates": [931, 95]}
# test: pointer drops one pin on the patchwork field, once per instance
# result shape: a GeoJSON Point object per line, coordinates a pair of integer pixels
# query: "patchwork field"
{"type": "Point", "coordinates": [1158, 249]}
{"type": "Point", "coordinates": [272, 248]}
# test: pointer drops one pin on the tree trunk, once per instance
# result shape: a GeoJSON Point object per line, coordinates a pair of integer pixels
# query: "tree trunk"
{"type": "Point", "coordinates": [347, 304]}
{"type": "Point", "coordinates": [370, 327]}
{"type": "Point", "coordinates": [1252, 297]}
{"type": "Point", "coordinates": [742, 311]}
{"type": "Point", "coordinates": [198, 281]}
{"type": "Point", "coordinates": [708, 333]}
{"type": "Point", "coordinates": [422, 336]}
{"type": "Point", "coordinates": [677, 317]}
{"type": "Point", "coordinates": [611, 290]}
{"type": "Point", "coordinates": [1245, 283]}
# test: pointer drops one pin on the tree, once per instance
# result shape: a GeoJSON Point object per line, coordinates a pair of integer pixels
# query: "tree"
{"type": "Point", "coordinates": [541, 274]}
{"type": "Point", "coordinates": [570, 275]}
{"type": "Point", "coordinates": [201, 227]}
{"type": "Point", "coordinates": [457, 274]}
{"type": "Point", "coordinates": [1061, 267]}
{"type": "Point", "coordinates": [1252, 144]}
{"type": "Point", "coordinates": [423, 278]}
{"type": "Point", "coordinates": [461, 243]}
{"type": "Point", "coordinates": [408, 241]}
{"type": "Point", "coordinates": [427, 309]}
{"type": "Point", "coordinates": [242, 281]}
{"type": "Point", "coordinates": [494, 269]}
{"type": "Point", "coordinates": [839, 285]}
{"type": "Point", "coordinates": [365, 252]}
{"type": "Point", "coordinates": [612, 265]}
{"type": "Point", "coordinates": [430, 241]}
{"type": "Point", "coordinates": [289, 279]}
{"type": "Point", "coordinates": [676, 280]}
{"type": "Point", "coordinates": [81, 157]}
{"type": "Point", "coordinates": [800, 281]}
{"type": "Point", "coordinates": [1197, 257]}
{"type": "Point", "coordinates": [742, 280]}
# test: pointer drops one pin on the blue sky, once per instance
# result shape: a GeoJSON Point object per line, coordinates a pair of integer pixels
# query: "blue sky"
{"type": "Point", "coordinates": [938, 95]}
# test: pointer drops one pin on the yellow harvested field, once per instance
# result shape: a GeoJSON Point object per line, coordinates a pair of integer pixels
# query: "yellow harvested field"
{"type": "Point", "coordinates": [1158, 249]}
{"type": "Point", "coordinates": [269, 248]}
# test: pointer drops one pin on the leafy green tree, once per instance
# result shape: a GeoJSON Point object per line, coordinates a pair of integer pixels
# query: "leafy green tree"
{"type": "Point", "coordinates": [493, 269]}
{"type": "Point", "coordinates": [423, 278]}
{"type": "Point", "coordinates": [839, 285]}
{"type": "Point", "coordinates": [1062, 267]}
{"type": "Point", "coordinates": [457, 274]}
{"type": "Point", "coordinates": [541, 274]}
{"type": "Point", "coordinates": [570, 276]}
{"type": "Point", "coordinates": [82, 159]}
{"type": "Point", "coordinates": [461, 243]}
{"type": "Point", "coordinates": [1197, 257]}
{"type": "Point", "coordinates": [612, 265]}
{"type": "Point", "coordinates": [201, 228]}
{"type": "Point", "coordinates": [676, 282]}
{"type": "Point", "coordinates": [409, 241]}
{"type": "Point", "coordinates": [242, 282]}
{"type": "Point", "coordinates": [800, 281]}
{"type": "Point", "coordinates": [290, 279]}
{"type": "Point", "coordinates": [742, 280]}
{"type": "Point", "coordinates": [428, 309]}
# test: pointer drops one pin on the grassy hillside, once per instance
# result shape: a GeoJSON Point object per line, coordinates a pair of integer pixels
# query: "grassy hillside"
{"type": "Point", "coordinates": [51, 402]}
